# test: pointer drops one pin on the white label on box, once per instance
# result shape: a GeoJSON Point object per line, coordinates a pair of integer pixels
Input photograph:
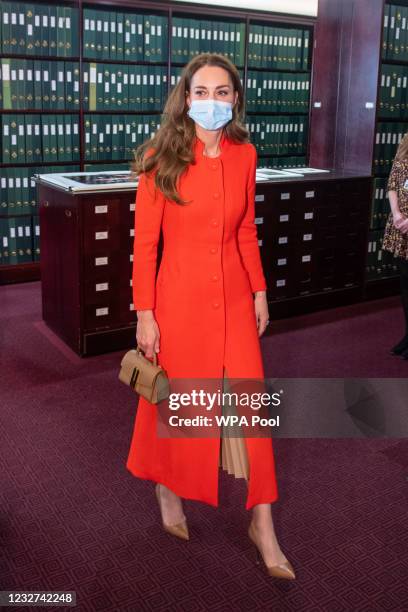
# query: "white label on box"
{"type": "Point", "coordinates": [281, 282]}
{"type": "Point", "coordinates": [309, 215]}
{"type": "Point", "coordinates": [310, 194]}
{"type": "Point", "coordinates": [307, 236]}
{"type": "Point", "coordinates": [101, 261]}
{"type": "Point", "coordinates": [102, 311]}
{"type": "Point", "coordinates": [131, 282]}
{"type": "Point", "coordinates": [260, 197]}
{"type": "Point", "coordinates": [282, 262]}
{"type": "Point", "coordinates": [101, 286]}
{"type": "Point", "coordinates": [131, 257]}
{"type": "Point", "coordinates": [132, 232]}
{"type": "Point", "coordinates": [285, 196]}
{"type": "Point", "coordinates": [132, 206]}
{"type": "Point", "coordinates": [282, 240]}
{"type": "Point", "coordinates": [101, 208]}
{"type": "Point", "coordinates": [260, 242]}
{"type": "Point", "coordinates": [306, 258]}
{"type": "Point", "coordinates": [259, 220]}
{"type": "Point", "coordinates": [283, 217]}
{"type": "Point", "coordinates": [101, 235]}
{"type": "Point", "coordinates": [131, 306]}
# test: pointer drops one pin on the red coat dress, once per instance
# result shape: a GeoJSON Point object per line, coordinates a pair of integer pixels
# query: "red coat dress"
{"type": "Point", "coordinates": [202, 300]}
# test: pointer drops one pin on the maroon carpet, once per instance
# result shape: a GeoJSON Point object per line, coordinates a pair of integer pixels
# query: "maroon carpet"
{"type": "Point", "coordinates": [73, 518]}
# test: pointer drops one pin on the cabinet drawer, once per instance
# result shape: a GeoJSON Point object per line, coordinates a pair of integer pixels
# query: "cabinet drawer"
{"type": "Point", "coordinates": [279, 286]}
{"type": "Point", "coordinates": [354, 211]}
{"type": "Point", "coordinates": [101, 211]}
{"type": "Point", "coordinates": [349, 278]}
{"type": "Point", "coordinates": [106, 282]}
{"type": "Point", "coordinates": [102, 312]}
{"type": "Point", "coordinates": [113, 211]}
{"type": "Point", "coordinates": [357, 188]}
{"type": "Point", "coordinates": [304, 284]}
{"type": "Point", "coordinates": [351, 237]}
{"type": "Point", "coordinates": [119, 261]}
{"type": "Point", "coordinates": [325, 262]}
{"type": "Point", "coordinates": [328, 215]}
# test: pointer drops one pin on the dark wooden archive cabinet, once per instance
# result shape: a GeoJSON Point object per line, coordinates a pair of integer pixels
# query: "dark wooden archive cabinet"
{"type": "Point", "coordinates": [311, 233]}
{"type": "Point", "coordinates": [86, 267]}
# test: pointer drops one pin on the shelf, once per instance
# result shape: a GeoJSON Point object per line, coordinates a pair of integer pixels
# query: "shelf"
{"type": "Point", "coordinates": [20, 273]}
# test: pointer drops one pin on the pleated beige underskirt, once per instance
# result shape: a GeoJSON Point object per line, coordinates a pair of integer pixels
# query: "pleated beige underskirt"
{"type": "Point", "coordinates": [233, 451]}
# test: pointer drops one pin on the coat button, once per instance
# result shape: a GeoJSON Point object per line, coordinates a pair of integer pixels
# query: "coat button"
{"type": "Point", "coordinates": [214, 222]}
{"type": "Point", "coordinates": [216, 195]}
{"type": "Point", "coordinates": [216, 304]}
{"type": "Point", "coordinates": [213, 250]}
{"type": "Point", "coordinates": [214, 277]}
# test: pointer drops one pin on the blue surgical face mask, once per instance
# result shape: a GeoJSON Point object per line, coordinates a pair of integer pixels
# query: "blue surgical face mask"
{"type": "Point", "coordinates": [210, 114]}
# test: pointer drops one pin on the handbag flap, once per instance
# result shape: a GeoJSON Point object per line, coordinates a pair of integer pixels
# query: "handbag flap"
{"type": "Point", "coordinates": [143, 376]}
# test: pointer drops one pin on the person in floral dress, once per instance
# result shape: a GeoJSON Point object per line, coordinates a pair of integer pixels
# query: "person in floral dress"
{"type": "Point", "coordinates": [395, 239]}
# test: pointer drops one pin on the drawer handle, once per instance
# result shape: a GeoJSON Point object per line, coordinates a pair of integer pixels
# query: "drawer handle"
{"type": "Point", "coordinates": [68, 213]}
{"type": "Point", "coordinates": [46, 203]}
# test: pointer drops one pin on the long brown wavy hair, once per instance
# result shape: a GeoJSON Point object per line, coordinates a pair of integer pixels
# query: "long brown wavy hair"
{"type": "Point", "coordinates": [173, 141]}
{"type": "Point", "coordinates": [402, 151]}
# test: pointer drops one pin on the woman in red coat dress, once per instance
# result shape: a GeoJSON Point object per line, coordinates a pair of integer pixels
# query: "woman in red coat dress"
{"type": "Point", "coordinates": [204, 312]}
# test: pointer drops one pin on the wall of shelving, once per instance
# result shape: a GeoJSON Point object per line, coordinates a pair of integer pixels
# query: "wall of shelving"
{"type": "Point", "coordinates": [391, 125]}
{"type": "Point", "coordinates": [82, 86]}
{"type": "Point", "coordinates": [358, 109]}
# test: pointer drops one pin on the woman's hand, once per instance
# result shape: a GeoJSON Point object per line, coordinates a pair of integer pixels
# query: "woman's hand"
{"type": "Point", "coordinates": [398, 219]}
{"type": "Point", "coordinates": [147, 333]}
{"type": "Point", "coordinates": [261, 311]}
{"type": "Point", "coordinates": [403, 226]}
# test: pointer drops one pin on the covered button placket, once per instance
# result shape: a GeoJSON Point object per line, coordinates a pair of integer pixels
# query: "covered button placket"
{"type": "Point", "coordinates": [216, 196]}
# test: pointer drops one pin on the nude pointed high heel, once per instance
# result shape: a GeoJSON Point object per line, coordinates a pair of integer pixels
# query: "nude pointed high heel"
{"type": "Point", "coordinates": [283, 570]}
{"type": "Point", "coordinates": [180, 530]}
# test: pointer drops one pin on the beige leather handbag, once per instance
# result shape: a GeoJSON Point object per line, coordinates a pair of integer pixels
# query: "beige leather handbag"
{"type": "Point", "coordinates": [146, 378]}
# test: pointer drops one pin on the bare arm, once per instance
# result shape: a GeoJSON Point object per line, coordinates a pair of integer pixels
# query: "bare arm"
{"type": "Point", "coordinates": [393, 198]}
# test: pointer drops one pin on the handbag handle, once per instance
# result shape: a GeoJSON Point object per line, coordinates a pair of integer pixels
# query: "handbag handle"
{"type": "Point", "coordinates": [139, 350]}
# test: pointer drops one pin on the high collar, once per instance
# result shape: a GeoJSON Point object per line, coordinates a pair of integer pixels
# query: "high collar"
{"type": "Point", "coordinates": [199, 146]}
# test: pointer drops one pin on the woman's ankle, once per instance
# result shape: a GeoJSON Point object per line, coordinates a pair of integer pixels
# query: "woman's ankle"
{"type": "Point", "coordinates": [168, 493]}
{"type": "Point", "coordinates": [262, 516]}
